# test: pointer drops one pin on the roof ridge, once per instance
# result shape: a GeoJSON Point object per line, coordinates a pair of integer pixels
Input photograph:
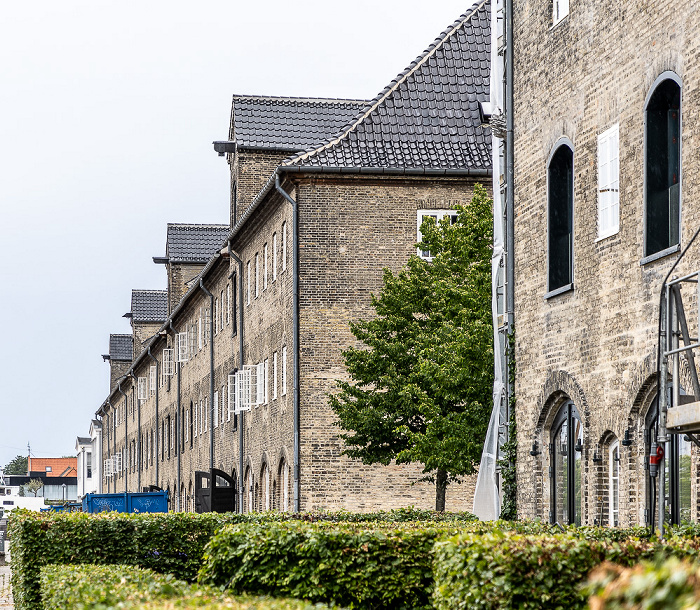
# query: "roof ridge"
{"type": "Point", "coordinates": [283, 98]}
{"type": "Point", "coordinates": [383, 95]}
{"type": "Point", "coordinates": [121, 335]}
{"type": "Point", "coordinates": [195, 224]}
{"type": "Point", "coordinates": [149, 290]}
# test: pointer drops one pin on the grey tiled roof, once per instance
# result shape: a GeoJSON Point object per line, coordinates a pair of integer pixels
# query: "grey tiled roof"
{"type": "Point", "coordinates": [194, 243]}
{"type": "Point", "coordinates": [428, 117]}
{"type": "Point", "coordinates": [149, 305]}
{"type": "Point", "coordinates": [121, 347]}
{"type": "Point", "coordinates": [289, 123]}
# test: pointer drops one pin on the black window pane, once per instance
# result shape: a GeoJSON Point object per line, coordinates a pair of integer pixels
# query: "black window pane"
{"type": "Point", "coordinates": [561, 180]}
{"type": "Point", "coordinates": [663, 168]}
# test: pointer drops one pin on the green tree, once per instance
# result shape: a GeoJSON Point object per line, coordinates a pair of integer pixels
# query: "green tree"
{"type": "Point", "coordinates": [421, 385]}
{"type": "Point", "coordinates": [34, 486]}
{"type": "Point", "coordinates": [17, 466]}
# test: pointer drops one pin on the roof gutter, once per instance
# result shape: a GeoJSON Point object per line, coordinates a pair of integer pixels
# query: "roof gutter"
{"type": "Point", "coordinates": [295, 325]}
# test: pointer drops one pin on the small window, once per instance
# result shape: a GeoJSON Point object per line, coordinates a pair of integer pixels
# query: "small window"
{"type": "Point", "coordinates": [216, 409]}
{"type": "Point", "coordinates": [265, 267]}
{"type": "Point", "coordinates": [284, 246]}
{"type": "Point", "coordinates": [614, 485]}
{"type": "Point", "coordinates": [609, 182]}
{"type": "Point", "coordinates": [284, 370]}
{"type": "Point", "coordinates": [560, 9]}
{"type": "Point", "coordinates": [437, 216]}
{"type": "Point", "coordinates": [48, 469]}
{"type": "Point", "coordinates": [560, 217]}
{"type": "Point", "coordinates": [274, 256]}
{"type": "Point", "coordinates": [257, 275]}
{"type": "Point", "coordinates": [663, 167]}
{"type": "Point", "coordinates": [274, 375]}
{"type": "Point", "coordinates": [247, 299]}
{"type": "Point", "coordinates": [228, 303]}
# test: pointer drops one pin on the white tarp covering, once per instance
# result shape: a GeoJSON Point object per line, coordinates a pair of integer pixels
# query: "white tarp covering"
{"type": "Point", "coordinates": [487, 502]}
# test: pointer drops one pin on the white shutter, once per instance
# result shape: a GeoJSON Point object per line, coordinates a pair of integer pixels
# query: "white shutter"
{"type": "Point", "coordinates": [195, 420]}
{"type": "Point", "coordinates": [108, 467]}
{"type": "Point", "coordinates": [168, 363]}
{"type": "Point", "coordinates": [192, 337]}
{"type": "Point", "coordinates": [153, 379]}
{"type": "Point", "coordinates": [274, 256]}
{"type": "Point", "coordinates": [284, 370]}
{"type": "Point", "coordinates": [182, 355]}
{"type": "Point", "coordinates": [266, 382]}
{"type": "Point", "coordinates": [609, 182]}
{"type": "Point", "coordinates": [199, 330]}
{"type": "Point", "coordinates": [274, 375]}
{"type": "Point", "coordinates": [141, 388]}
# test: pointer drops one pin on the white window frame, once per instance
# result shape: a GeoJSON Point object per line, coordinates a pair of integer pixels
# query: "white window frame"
{"type": "Point", "coordinates": [228, 303]}
{"type": "Point", "coordinates": [560, 9]}
{"type": "Point", "coordinates": [216, 409]}
{"type": "Point", "coordinates": [265, 267]}
{"type": "Point", "coordinates": [222, 398]}
{"type": "Point", "coordinates": [266, 382]}
{"type": "Point", "coordinates": [257, 275]}
{"type": "Point", "coordinates": [153, 379]}
{"type": "Point", "coordinates": [274, 376]}
{"type": "Point", "coordinates": [247, 300]}
{"type": "Point", "coordinates": [260, 384]}
{"type": "Point", "coordinates": [274, 256]}
{"type": "Point", "coordinates": [141, 388]}
{"type": "Point", "coordinates": [168, 362]}
{"type": "Point", "coordinates": [187, 425]}
{"type": "Point", "coordinates": [216, 315]}
{"type": "Point", "coordinates": [182, 347]}
{"type": "Point", "coordinates": [284, 370]}
{"type": "Point", "coordinates": [172, 434]}
{"type": "Point", "coordinates": [231, 395]}
{"type": "Point", "coordinates": [614, 484]}
{"type": "Point", "coordinates": [199, 330]}
{"type": "Point", "coordinates": [195, 419]}
{"type": "Point", "coordinates": [206, 413]}
{"type": "Point", "coordinates": [609, 182]}
{"type": "Point", "coordinates": [438, 215]}
{"type": "Point", "coordinates": [284, 246]}
{"type": "Point", "coordinates": [222, 309]}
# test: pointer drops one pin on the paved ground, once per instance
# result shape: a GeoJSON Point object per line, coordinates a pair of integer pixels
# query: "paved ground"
{"type": "Point", "coordinates": [5, 592]}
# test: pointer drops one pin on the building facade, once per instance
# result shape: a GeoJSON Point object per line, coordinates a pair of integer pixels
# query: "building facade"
{"type": "Point", "coordinates": [605, 199]}
{"type": "Point", "coordinates": [325, 194]}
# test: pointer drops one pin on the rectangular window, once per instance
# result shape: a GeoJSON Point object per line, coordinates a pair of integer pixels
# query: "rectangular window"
{"type": "Point", "coordinates": [168, 363]}
{"type": "Point", "coordinates": [560, 9]}
{"type": "Point", "coordinates": [172, 434]}
{"type": "Point", "coordinates": [195, 420]}
{"type": "Point", "coordinates": [265, 267]}
{"type": "Point", "coordinates": [187, 425]}
{"type": "Point", "coordinates": [228, 303]}
{"type": "Point", "coordinates": [274, 256]}
{"type": "Point", "coordinates": [284, 370]}
{"type": "Point", "coordinates": [192, 335]}
{"type": "Point", "coordinates": [223, 405]}
{"type": "Point", "coordinates": [257, 275]}
{"type": "Point", "coordinates": [199, 330]}
{"type": "Point", "coordinates": [437, 216]}
{"type": "Point", "coordinates": [284, 246]}
{"type": "Point", "coordinates": [141, 388]}
{"type": "Point", "coordinates": [234, 304]}
{"type": "Point", "coordinates": [216, 315]}
{"type": "Point", "coordinates": [274, 375]}
{"type": "Point", "coordinates": [609, 182]}
{"type": "Point", "coordinates": [231, 395]}
{"type": "Point", "coordinates": [207, 324]}
{"type": "Point", "coordinates": [153, 376]}
{"type": "Point", "coordinates": [247, 298]}
{"type": "Point", "coordinates": [182, 345]}
{"type": "Point", "coordinates": [560, 220]}
{"type": "Point", "coordinates": [216, 409]}
{"type": "Point", "coordinates": [206, 414]}
{"type": "Point", "coordinates": [260, 378]}
{"type": "Point", "coordinates": [266, 382]}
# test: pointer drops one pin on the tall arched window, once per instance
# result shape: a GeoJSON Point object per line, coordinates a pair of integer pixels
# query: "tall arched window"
{"type": "Point", "coordinates": [677, 467]}
{"type": "Point", "coordinates": [566, 450]}
{"type": "Point", "coordinates": [614, 484]}
{"type": "Point", "coordinates": [560, 194]}
{"type": "Point", "coordinates": [663, 165]}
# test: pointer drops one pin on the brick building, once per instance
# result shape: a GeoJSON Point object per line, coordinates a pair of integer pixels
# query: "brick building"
{"type": "Point", "coordinates": [605, 197]}
{"type": "Point", "coordinates": [325, 194]}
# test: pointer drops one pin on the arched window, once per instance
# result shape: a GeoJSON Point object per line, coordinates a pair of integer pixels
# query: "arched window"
{"type": "Point", "coordinates": [560, 193]}
{"type": "Point", "coordinates": [566, 450]}
{"type": "Point", "coordinates": [283, 476]}
{"type": "Point", "coordinates": [265, 482]}
{"type": "Point", "coordinates": [677, 463]}
{"type": "Point", "coordinates": [663, 166]}
{"type": "Point", "coordinates": [614, 484]}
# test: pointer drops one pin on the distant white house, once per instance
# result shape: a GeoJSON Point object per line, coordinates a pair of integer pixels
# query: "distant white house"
{"type": "Point", "coordinates": [89, 449]}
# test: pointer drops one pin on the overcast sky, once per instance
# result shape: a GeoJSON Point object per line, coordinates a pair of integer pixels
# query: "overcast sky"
{"type": "Point", "coordinates": [108, 111]}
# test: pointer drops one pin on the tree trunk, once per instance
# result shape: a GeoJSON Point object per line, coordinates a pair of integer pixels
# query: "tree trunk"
{"type": "Point", "coordinates": [440, 489]}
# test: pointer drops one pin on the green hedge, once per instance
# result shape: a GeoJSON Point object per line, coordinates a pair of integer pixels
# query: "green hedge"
{"type": "Point", "coordinates": [349, 565]}
{"type": "Point", "coordinates": [671, 584]}
{"type": "Point", "coordinates": [167, 543]}
{"type": "Point", "coordinates": [128, 587]}
{"type": "Point", "coordinates": [512, 570]}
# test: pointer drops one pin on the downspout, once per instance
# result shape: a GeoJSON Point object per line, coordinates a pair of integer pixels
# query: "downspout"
{"type": "Point", "coordinates": [126, 437]}
{"type": "Point", "coordinates": [177, 430]}
{"type": "Point", "coordinates": [211, 378]}
{"type": "Point", "coordinates": [510, 185]}
{"type": "Point", "coordinates": [113, 435]}
{"type": "Point", "coordinates": [137, 463]}
{"type": "Point", "coordinates": [295, 325]}
{"type": "Point", "coordinates": [240, 366]}
{"type": "Point", "coordinates": [152, 357]}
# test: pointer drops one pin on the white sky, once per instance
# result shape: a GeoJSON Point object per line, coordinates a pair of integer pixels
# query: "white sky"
{"type": "Point", "coordinates": [107, 114]}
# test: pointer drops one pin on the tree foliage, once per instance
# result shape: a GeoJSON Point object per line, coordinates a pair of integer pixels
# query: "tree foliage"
{"type": "Point", "coordinates": [17, 466]}
{"type": "Point", "coordinates": [34, 486]}
{"type": "Point", "coordinates": [421, 382]}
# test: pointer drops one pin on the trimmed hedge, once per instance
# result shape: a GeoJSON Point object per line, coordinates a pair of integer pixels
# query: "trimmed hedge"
{"type": "Point", "coordinates": [511, 570]}
{"type": "Point", "coordinates": [348, 565]}
{"type": "Point", "coordinates": [167, 543]}
{"type": "Point", "coordinates": [91, 586]}
{"type": "Point", "coordinates": [664, 585]}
